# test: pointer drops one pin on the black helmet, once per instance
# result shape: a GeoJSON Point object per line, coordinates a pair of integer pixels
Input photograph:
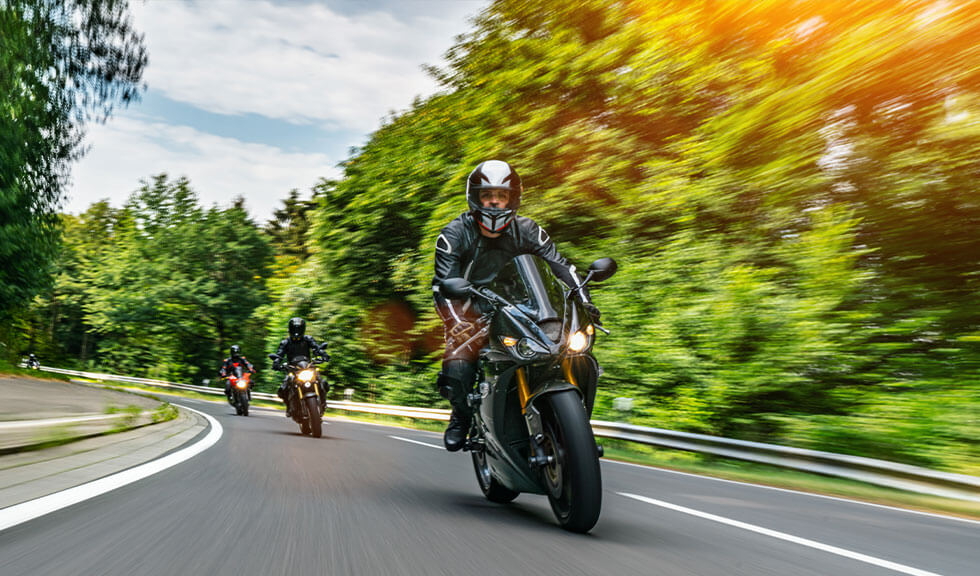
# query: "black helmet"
{"type": "Point", "coordinates": [236, 351]}
{"type": "Point", "coordinates": [297, 327]}
{"type": "Point", "coordinates": [494, 175]}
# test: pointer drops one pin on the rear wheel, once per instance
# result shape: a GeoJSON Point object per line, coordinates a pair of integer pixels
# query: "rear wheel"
{"type": "Point", "coordinates": [313, 411]}
{"type": "Point", "coordinates": [573, 477]}
{"type": "Point", "coordinates": [492, 489]}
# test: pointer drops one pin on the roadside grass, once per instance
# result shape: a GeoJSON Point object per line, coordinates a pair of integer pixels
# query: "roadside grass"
{"type": "Point", "coordinates": [130, 414]}
{"type": "Point", "coordinates": [677, 460]}
{"type": "Point", "coordinates": [164, 413]}
{"type": "Point", "coordinates": [60, 435]}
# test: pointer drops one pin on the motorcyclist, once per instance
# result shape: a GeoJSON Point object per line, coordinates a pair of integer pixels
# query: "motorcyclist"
{"type": "Point", "coordinates": [475, 246]}
{"type": "Point", "coordinates": [228, 369]}
{"type": "Point", "coordinates": [290, 349]}
{"type": "Point", "coordinates": [32, 361]}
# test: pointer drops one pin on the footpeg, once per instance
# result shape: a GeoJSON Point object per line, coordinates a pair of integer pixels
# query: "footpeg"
{"type": "Point", "coordinates": [599, 450]}
{"type": "Point", "coordinates": [474, 445]}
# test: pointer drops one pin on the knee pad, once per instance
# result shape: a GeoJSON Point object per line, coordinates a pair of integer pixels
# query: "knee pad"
{"type": "Point", "coordinates": [456, 379]}
{"type": "Point", "coordinates": [442, 385]}
{"type": "Point", "coordinates": [460, 371]}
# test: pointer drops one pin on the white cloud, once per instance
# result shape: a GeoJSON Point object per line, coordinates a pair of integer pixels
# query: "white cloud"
{"type": "Point", "coordinates": [339, 71]}
{"type": "Point", "coordinates": [301, 63]}
{"type": "Point", "coordinates": [126, 150]}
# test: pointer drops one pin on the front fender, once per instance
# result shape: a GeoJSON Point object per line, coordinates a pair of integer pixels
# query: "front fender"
{"type": "Point", "coordinates": [550, 388]}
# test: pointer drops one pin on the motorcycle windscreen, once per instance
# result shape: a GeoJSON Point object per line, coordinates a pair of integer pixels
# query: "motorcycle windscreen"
{"type": "Point", "coordinates": [529, 283]}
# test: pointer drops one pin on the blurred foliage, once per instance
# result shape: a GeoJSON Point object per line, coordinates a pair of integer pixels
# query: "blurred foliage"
{"type": "Point", "coordinates": [62, 63]}
{"type": "Point", "coordinates": [161, 287]}
{"type": "Point", "coordinates": [788, 187]}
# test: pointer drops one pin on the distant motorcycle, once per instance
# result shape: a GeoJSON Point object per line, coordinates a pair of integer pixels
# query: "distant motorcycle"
{"type": "Point", "coordinates": [32, 363]}
{"type": "Point", "coordinates": [530, 430]}
{"type": "Point", "coordinates": [240, 380]}
{"type": "Point", "coordinates": [305, 386]}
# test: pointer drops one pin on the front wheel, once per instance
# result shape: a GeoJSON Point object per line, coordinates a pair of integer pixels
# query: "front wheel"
{"type": "Point", "coordinates": [492, 489]}
{"type": "Point", "coordinates": [313, 411]}
{"type": "Point", "coordinates": [573, 478]}
{"type": "Point", "coordinates": [243, 402]}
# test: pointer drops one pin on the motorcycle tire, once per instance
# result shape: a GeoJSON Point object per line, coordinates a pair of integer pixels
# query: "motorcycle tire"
{"type": "Point", "coordinates": [316, 421]}
{"type": "Point", "coordinates": [573, 479]}
{"type": "Point", "coordinates": [243, 402]}
{"type": "Point", "coordinates": [492, 489]}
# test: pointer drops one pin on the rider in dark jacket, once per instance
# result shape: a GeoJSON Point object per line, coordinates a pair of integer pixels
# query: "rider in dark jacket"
{"type": "Point", "coordinates": [290, 349]}
{"type": "Point", "coordinates": [475, 246]}
{"type": "Point", "coordinates": [228, 369]}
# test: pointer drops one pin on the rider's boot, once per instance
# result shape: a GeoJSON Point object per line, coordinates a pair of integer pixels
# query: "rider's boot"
{"type": "Point", "coordinates": [281, 393]}
{"type": "Point", "coordinates": [455, 435]}
{"type": "Point", "coordinates": [324, 388]}
{"type": "Point", "coordinates": [455, 382]}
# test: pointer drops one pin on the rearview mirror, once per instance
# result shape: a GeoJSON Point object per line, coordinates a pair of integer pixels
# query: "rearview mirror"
{"type": "Point", "coordinates": [602, 269]}
{"type": "Point", "coordinates": [273, 357]}
{"type": "Point", "coordinates": [456, 288]}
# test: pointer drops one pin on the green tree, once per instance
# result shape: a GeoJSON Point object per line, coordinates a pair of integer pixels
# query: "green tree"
{"type": "Point", "coordinates": [176, 286]}
{"type": "Point", "coordinates": [62, 64]}
{"type": "Point", "coordinates": [290, 224]}
{"type": "Point", "coordinates": [787, 186]}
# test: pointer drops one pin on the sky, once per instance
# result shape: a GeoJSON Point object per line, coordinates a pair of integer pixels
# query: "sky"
{"type": "Point", "coordinates": [253, 98]}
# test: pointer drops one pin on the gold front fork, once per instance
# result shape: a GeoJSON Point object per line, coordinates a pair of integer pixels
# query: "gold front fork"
{"type": "Point", "coordinates": [523, 392]}
{"type": "Point", "coordinates": [566, 368]}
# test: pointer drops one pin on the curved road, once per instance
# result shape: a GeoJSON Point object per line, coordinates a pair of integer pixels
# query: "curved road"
{"type": "Point", "coordinates": [373, 500]}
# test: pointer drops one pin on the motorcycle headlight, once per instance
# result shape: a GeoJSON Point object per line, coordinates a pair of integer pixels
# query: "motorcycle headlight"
{"type": "Point", "coordinates": [307, 384]}
{"type": "Point", "coordinates": [524, 348]}
{"type": "Point", "coordinates": [241, 384]}
{"type": "Point", "coordinates": [578, 341]}
{"type": "Point", "coordinates": [305, 376]}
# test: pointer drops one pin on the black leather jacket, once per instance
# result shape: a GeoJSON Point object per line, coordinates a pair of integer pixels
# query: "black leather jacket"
{"type": "Point", "coordinates": [463, 252]}
{"type": "Point", "coordinates": [290, 350]}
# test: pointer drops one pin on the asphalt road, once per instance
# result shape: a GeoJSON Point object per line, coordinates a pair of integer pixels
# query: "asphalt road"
{"type": "Point", "coordinates": [265, 500]}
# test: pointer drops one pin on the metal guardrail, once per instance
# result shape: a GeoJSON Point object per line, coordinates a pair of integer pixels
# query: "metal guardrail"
{"type": "Point", "coordinates": [870, 470]}
{"type": "Point", "coordinates": [880, 472]}
{"type": "Point", "coordinates": [386, 409]}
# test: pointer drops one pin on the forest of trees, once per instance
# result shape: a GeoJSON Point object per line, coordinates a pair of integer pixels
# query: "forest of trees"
{"type": "Point", "coordinates": [788, 188]}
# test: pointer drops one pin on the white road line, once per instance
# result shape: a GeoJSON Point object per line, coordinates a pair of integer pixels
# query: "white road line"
{"type": "Point", "coordinates": [800, 492]}
{"type": "Point", "coordinates": [417, 442]}
{"type": "Point", "coordinates": [787, 537]}
{"type": "Point", "coordinates": [25, 511]}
